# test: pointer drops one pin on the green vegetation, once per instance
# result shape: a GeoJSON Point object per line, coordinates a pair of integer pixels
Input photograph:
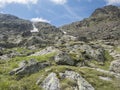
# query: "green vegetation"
{"type": "Point", "coordinates": [28, 82]}
{"type": "Point", "coordinates": [108, 60]}
{"type": "Point", "coordinates": [6, 66]}
{"type": "Point", "coordinates": [67, 84]}
{"type": "Point", "coordinates": [21, 50]}
{"type": "Point", "coordinates": [8, 82]}
{"type": "Point", "coordinates": [38, 58]}
{"type": "Point", "coordinates": [108, 57]}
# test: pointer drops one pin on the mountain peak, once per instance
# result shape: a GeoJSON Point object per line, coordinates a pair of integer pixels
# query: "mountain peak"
{"type": "Point", "coordinates": [109, 10]}
{"type": "Point", "coordinates": [7, 17]}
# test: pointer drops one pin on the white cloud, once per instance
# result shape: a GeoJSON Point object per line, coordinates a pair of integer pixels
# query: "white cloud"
{"type": "Point", "coordinates": [59, 1]}
{"type": "Point", "coordinates": [2, 12]}
{"type": "Point", "coordinates": [39, 20]}
{"type": "Point", "coordinates": [5, 2]}
{"type": "Point", "coordinates": [109, 2]}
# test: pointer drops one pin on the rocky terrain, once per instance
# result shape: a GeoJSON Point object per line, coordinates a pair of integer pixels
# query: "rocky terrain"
{"type": "Point", "coordinates": [83, 55]}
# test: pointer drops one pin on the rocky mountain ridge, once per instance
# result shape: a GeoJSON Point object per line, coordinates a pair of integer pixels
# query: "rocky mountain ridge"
{"type": "Point", "coordinates": [103, 24]}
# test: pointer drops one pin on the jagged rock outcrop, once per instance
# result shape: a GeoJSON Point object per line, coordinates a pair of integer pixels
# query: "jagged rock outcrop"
{"type": "Point", "coordinates": [29, 67]}
{"type": "Point", "coordinates": [115, 66]}
{"type": "Point", "coordinates": [82, 84]}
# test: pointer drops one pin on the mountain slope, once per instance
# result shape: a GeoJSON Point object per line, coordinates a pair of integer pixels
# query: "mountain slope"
{"type": "Point", "coordinates": [103, 24]}
{"type": "Point", "coordinates": [11, 23]}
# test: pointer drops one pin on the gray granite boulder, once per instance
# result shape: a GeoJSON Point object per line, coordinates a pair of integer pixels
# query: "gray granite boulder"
{"type": "Point", "coordinates": [115, 66]}
{"type": "Point", "coordinates": [51, 82]}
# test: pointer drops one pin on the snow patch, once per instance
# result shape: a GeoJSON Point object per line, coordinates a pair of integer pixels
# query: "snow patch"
{"type": "Point", "coordinates": [34, 29]}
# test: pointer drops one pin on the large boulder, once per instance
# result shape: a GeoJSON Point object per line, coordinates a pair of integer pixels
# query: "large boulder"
{"type": "Point", "coordinates": [63, 58]}
{"type": "Point", "coordinates": [115, 66]}
{"type": "Point", "coordinates": [29, 67]}
{"type": "Point", "coordinates": [51, 82]}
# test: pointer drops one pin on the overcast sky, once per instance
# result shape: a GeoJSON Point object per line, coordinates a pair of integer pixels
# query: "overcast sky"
{"type": "Point", "coordinates": [56, 12]}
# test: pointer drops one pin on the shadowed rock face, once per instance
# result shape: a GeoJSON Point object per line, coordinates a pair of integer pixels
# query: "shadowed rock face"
{"type": "Point", "coordinates": [104, 24]}
{"type": "Point", "coordinates": [29, 67]}
{"type": "Point", "coordinates": [17, 32]}
{"type": "Point", "coordinates": [13, 24]}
